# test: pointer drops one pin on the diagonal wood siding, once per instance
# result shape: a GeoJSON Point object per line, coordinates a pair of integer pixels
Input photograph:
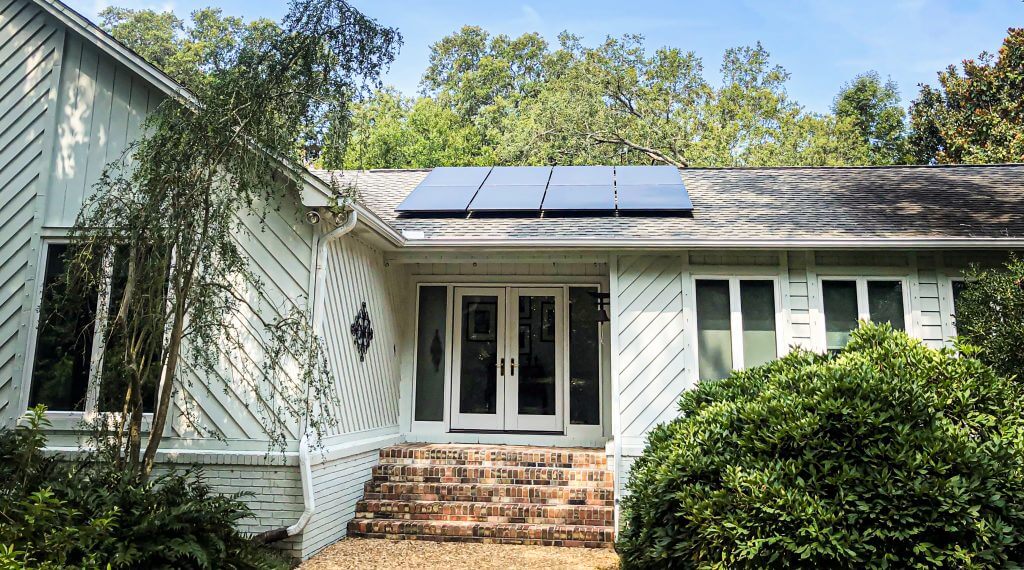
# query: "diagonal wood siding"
{"type": "Point", "coordinates": [30, 44]}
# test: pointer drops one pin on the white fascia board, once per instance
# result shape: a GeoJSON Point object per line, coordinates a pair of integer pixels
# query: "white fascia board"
{"type": "Point", "coordinates": [675, 244]}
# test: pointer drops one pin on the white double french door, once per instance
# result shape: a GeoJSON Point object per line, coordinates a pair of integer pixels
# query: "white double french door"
{"type": "Point", "coordinates": [508, 365]}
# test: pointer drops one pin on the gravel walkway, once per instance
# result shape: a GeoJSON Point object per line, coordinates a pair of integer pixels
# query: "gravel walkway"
{"type": "Point", "coordinates": [370, 554]}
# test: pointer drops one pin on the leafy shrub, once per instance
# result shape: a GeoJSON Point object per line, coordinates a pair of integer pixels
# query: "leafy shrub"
{"type": "Point", "coordinates": [888, 454]}
{"type": "Point", "coordinates": [990, 316]}
{"type": "Point", "coordinates": [89, 514]}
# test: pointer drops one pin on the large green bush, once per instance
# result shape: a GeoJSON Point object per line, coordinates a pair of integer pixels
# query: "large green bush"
{"type": "Point", "coordinates": [888, 454]}
{"type": "Point", "coordinates": [88, 513]}
{"type": "Point", "coordinates": [990, 316]}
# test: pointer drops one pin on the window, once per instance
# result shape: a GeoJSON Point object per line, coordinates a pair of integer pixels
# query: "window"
{"type": "Point", "coordinates": [584, 357]}
{"type": "Point", "coordinates": [66, 368]}
{"type": "Point", "coordinates": [846, 301]}
{"type": "Point", "coordinates": [737, 325]}
{"type": "Point", "coordinates": [431, 336]}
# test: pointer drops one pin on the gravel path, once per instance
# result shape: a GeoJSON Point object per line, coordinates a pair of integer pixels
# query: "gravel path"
{"type": "Point", "coordinates": [370, 554]}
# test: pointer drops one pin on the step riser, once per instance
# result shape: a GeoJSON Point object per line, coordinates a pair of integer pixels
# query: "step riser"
{"type": "Point", "coordinates": [550, 495]}
{"type": "Point", "coordinates": [486, 512]}
{"type": "Point", "coordinates": [439, 538]}
{"type": "Point", "coordinates": [493, 475]}
{"type": "Point", "coordinates": [519, 534]}
{"type": "Point", "coordinates": [493, 457]}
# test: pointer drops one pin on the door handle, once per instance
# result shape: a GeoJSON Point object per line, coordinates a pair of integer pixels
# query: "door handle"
{"type": "Point", "coordinates": [502, 366]}
{"type": "Point", "coordinates": [513, 367]}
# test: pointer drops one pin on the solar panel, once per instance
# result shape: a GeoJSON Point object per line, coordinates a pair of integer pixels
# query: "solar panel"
{"type": "Point", "coordinates": [437, 199]}
{"type": "Point", "coordinates": [456, 176]}
{"type": "Point", "coordinates": [519, 176]}
{"type": "Point", "coordinates": [580, 198]}
{"type": "Point", "coordinates": [582, 175]}
{"type": "Point", "coordinates": [654, 197]}
{"type": "Point", "coordinates": [508, 198]}
{"type": "Point", "coordinates": [643, 175]}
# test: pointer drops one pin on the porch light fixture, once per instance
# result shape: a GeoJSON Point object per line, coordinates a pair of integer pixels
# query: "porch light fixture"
{"type": "Point", "coordinates": [362, 331]}
{"type": "Point", "coordinates": [602, 300]}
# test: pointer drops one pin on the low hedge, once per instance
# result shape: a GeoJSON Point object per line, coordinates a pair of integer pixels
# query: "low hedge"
{"type": "Point", "coordinates": [887, 455]}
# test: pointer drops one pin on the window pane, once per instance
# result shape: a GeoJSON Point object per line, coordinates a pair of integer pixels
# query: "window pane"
{"type": "Point", "coordinates": [840, 300]}
{"type": "Point", "coordinates": [757, 305]}
{"type": "Point", "coordinates": [147, 344]}
{"type": "Point", "coordinates": [478, 358]}
{"type": "Point", "coordinates": [885, 303]}
{"type": "Point", "coordinates": [714, 333]}
{"type": "Point", "coordinates": [60, 372]}
{"type": "Point", "coordinates": [958, 289]}
{"type": "Point", "coordinates": [584, 357]}
{"type": "Point", "coordinates": [431, 353]}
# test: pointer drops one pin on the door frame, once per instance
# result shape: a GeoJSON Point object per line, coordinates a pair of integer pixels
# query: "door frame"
{"type": "Point", "coordinates": [514, 421]}
{"type": "Point", "coordinates": [467, 421]}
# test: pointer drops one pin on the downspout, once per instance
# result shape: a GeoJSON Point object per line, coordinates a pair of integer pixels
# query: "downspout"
{"type": "Point", "coordinates": [316, 318]}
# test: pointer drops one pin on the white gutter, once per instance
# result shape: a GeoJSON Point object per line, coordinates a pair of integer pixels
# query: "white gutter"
{"type": "Point", "coordinates": [317, 301]}
{"type": "Point", "coordinates": [683, 243]}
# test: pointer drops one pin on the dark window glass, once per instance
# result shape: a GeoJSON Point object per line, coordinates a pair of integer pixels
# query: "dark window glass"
{"type": "Point", "coordinates": [584, 357]}
{"type": "Point", "coordinates": [885, 303]}
{"type": "Point", "coordinates": [958, 289]}
{"type": "Point", "coordinates": [121, 356]}
{"type": "Point", "coordinates": [60, 371]}
{"type": "Point", "coordinates": [714, 330]}
{"type": "Point", "coordinates": [757, 305]}
{"type": "Point", "coordinates": [478, 361]}
{"type": "Point", "coordinates": [431, 354]}
{"type": "Point", "coordinates": [840, 301]}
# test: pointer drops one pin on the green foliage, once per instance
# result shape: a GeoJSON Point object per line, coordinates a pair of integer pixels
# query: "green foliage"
{"type": "Point", "coordinates": [887, 455]}
{"type": "Point", "coordinates": [874, 109]}
{"type": "Point", "coordinates": [990, 316]}
{"type": "Point", "coordinates": [208, 170]}
{"type": "Point", "coordinates": [91, 514]}
{"type": "Point", "coordinates": [976, 115]}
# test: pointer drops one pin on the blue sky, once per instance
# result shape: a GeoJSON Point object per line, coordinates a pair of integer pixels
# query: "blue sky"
{"type": "Point", "coordinates": [821, 43]}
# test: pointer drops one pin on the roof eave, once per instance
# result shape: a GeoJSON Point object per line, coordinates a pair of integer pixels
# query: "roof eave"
{"type": "Point", "coordinates": [723, 244]}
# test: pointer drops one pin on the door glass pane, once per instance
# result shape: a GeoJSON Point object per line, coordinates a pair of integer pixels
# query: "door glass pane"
{"type": "Point", "coordinates": [584, 357]}
{"type": "Point", "coordinates": [60, 373]}
{"type": "Point", "coordinates": [958, 289]}
{"type": "Point", "coordinates": [714, 332]}
{"type": "Point", "coordinates": [537, 353]}
{"type": "Point", "coordinates": [478, 382]}
{"type": "Point", "coordinates": [757, 305]}
{"type": "Point", "coordinates": [885, 303]}
{"type": "Point", "coordinates": [840, 301]}
{"type": "Point", "coordinates": [430, 354]}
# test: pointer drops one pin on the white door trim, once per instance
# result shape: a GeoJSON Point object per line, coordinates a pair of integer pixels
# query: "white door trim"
{"type": "Point", "coordinates": [478, 421]}
{"type": "Point", "coordinates": [514, 421]}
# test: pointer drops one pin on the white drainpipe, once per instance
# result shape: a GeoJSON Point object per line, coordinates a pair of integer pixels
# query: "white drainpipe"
{"type": "Point", "coordinates": [319, 279]}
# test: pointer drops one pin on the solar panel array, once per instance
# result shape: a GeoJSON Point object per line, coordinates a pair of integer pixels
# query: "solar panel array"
{"type": "Point", "coordinates": [559, 189]}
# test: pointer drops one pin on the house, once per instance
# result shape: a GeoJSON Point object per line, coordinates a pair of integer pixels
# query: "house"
{"type": "Point", "coordinates": [545, 345]}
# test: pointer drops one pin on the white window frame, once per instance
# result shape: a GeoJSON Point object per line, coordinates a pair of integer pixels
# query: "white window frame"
{"type": "Point", "coordinates": [70, 419]}
{"type": "Point", "coordinates": [736, 314]}
{"type": "Point", "coordinates": [863, 312]}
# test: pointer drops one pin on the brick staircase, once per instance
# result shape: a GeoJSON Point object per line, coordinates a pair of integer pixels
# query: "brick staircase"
{"type": "Point", "coordinates": [501, 494]}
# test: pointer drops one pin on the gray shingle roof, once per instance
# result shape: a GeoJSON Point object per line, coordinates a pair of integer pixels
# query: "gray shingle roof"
{"type": "Point", "coordinates": [797, 203]}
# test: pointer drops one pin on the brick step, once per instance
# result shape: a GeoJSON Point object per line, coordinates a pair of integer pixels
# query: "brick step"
{"type": "Point", "coordinates": [580, 515]}
{"type": "Point", "coordinates": [575, 477]}
{"type": "Point", "coordinates": [488, 493]}
{"type": "Point", "coordinates": [506, 533]}
{"type": "Point", "coordinates": [499, 455]}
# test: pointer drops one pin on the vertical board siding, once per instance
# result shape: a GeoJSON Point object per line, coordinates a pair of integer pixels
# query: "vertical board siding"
{"type": "Point", "coordinates": [30, 44]}
{"type": "Point", "coordinates": [552, 269]}
{"type": "Point", "coordinates": [367, 390]}
{"type": "Point", "coordinates": [652, 342]}
{"type": "Point", "coordinates": [337, 485]}
{"type": "Point", "coordinates": [101, 110]}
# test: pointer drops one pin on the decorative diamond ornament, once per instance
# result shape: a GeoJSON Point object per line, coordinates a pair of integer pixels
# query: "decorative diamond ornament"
{"type": "Point", "coordinates": [362, 332]}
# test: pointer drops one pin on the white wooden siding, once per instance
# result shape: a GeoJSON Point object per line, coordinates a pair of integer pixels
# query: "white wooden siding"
{"type": "Point", "coordinates": [30, 46]}
{"type": "Point", "coordinates": [367, 390]}
{"type": "Point", "coordinates": [101, 107]}
{"type": "Point", "coordinates": [338, 487]}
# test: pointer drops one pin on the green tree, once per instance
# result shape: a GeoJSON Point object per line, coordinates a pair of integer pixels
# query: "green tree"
{"type": "Point", "coordinates": [171, 208]}
{"type": "Point", "coordinates": [874, 109]}
{"type": "Point", "coordinates": [990, 316]}
{"type": "Point", "coordinates": [975, 115]}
